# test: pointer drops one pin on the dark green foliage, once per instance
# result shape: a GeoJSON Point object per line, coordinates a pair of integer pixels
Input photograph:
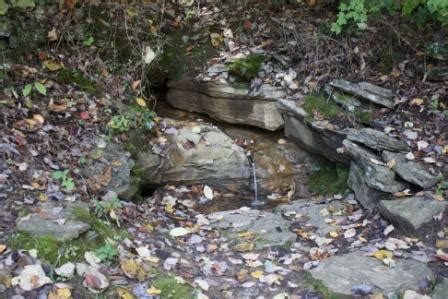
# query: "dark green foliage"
{"type": "Point", "coordinates": [244, 69]}
{"type": "Point", "coordinates": [329, 179]}
{"type": "Point", "coordinates": [68, 76]}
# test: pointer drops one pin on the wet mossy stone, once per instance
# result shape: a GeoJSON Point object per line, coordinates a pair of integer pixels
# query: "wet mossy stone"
{"type": "Point", "coordinates": [329, 178]}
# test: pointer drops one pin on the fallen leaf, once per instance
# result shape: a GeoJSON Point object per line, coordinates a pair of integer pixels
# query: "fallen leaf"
{"type": "Point", "coordinates": [133, 269]}
{"type": "Point", "coordinates": [153, 291]}
{"type": "Point", "coordinates": [2, 248]}
{"type": "Point", "coordinates": [216, 39]}
{"type": "Point", "coordinates": [149, 55]}
{"type": "Point", "coordinates": [179, 232]}
{"type": "Point", "coordinates": [53, 35]}
{"type": "Point", "coordinates": [141, 102]}
{"type": "Point", "coordinates": [125, 294]}
{"type": "Point", "coordinates": [388, 230]}
{"type": "Point", "coordinates": [52, 65]}
{"type": "Point", "coordinates": [208, 192]}
{"type": "Point", "coordinates": [95, 281]}
{"type": "Point", "coordinates": [31, 277]}
{"type": "Point", "coordinates": [244, 246]}
{"type": "Point", "coordinates": [417, 101]}
{"type": "Point", "coordinates": [257, 274]}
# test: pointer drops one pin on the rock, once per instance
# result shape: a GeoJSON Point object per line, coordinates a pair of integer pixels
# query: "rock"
{"type": "Point", "coordinates": [348, 102]}
{"type": "Point", "coordinates": [375, 94]}
{"type": "Point", "coordinates": [270, 229]}
{"type": "Point", "coordinates": [51, 220]}
{"type": "Point", "coordinates": [193, 153]}
{"type": "Point", "coordinates": [441, 290]}
{"type": "Point", "coordinates": [410, 171]}
{"type": "Point", "coordinates": [438, 73]}
{"type": "Point", "coordinates": [412, 212]}
{"type": "Point", "coordinates": [341, 273]}
{"type": "Point", "coordinates": [312, 212]}
{"type": "Point", "coordinates": [366, 196]}
{"type": "Point", "coordinates": [227, 103]}
{"type": "Point", "coordinates": [278, 166]}
{"type": "Point", "coordinates": [376, 140]}
{"type": "Point", "coordinates": [376, 174]}
{"type": "Point", "coordinates": [311, 136]}
{"type": "Point", "coordinates": [109, 169]}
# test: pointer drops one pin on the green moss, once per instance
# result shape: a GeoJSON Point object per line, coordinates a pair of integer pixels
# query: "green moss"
{"type": "Point", "coordinates": [318, 103]}
{"type": "Point", "coordinates": [104, 230]}
{"type": "Point", "coordinates": [244, 69]}
{"type": "Point", "coordinates": [319, 287]}
{"type": "Point", "coordinates": [54, 251]}
{"type": "Point", "coordinates": [68, 76]}
{"type": "Point", "coordinates": [171, 288]}
{"type": "Point", "coordinates": [329, 179]}
{"type": "Point", "coordinates": [364, 116]}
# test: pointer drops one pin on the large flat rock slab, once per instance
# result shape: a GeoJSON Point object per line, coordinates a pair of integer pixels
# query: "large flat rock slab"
{"type": "Point", "coordinates": [270, 229]}
{"type": "Point", "coordinates": [227, 103]}
{"type": "Point", "coordinates": [191, 153]}
{"type": "Point", "coordinates": [52, 220]}
{"type": "Point", "coordinates": [411, 213]}
{"type": "Point", "coordinates": [341, 273]}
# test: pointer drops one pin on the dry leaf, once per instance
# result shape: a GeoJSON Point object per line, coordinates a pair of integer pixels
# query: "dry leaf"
{"type": "Point", "coordinates": [153, 291]}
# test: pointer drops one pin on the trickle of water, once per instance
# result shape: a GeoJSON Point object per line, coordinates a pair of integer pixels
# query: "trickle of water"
{"type": "Point", "coordinates": [255, 203]}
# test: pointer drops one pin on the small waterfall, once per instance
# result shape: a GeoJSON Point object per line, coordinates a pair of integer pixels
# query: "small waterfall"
{"type": "Point", "coordinates": [255, 203]}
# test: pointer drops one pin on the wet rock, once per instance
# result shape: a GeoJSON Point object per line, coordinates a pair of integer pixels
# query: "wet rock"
{"type": "Point", "coordinates": [55, 221]}
{"type": "Point", "coordinates": [313, 213]}
{"type": "Point", "coordinates": [438, 73]}
{"type": "Point", "coordinates": [376, 140]}
{"type": "Point", "coordinates": [228, 103]}
{"type": "Point", "coordinates": [270, 229]}
{"type": "Point", "coordinates": [108, 168]}
{"type": "Point", "coordinates": [279, 166]}
{"type": "Point", "coordinates": [341, 273]}
{"type": "Point", "coordinates": [193, 152]}
{"type": "Point", "coordinates": [411, 213]}
{"type": "Point", "coordinates": [310, 135]}
{"type": "Point", "coordinates": [367, 91]}
{"type": "Point", "coordinates": [376, 174]}
{"type": "Point", "coordinates": [366, 196]}
{"type": "Point", "coordinates": [410, 171]}
{"type": "Point", "coordinates": [441, 290]}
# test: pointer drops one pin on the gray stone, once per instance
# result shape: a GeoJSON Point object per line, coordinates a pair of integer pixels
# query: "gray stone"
{"type": "Point", "coordinates": [376, 140]}
{"type": "Point", "coordinates": [376, 174]}
{"type": "Point", "coordinates": [441, 290]}
{"type": "Point", "coordinates": [109, 169]}
{"type": "Point", "coordinates": [270, 229]}
{"type": "Point", "coordinates": [196, 153]}
{"type": "Point", "coordinates": [412, 212]}
{"type": "Point", "coordinates": [410, 171]}
{"type": "Point", "coordinates": [368, 197]}
{"type": "Point", "coordinates": [227, 103]}
{"type": "Point", "coordinates": [54, 221]}
{"type": "Point", "coordinates": [349, 103]}
{"type": "Point", "coordinates": [375, 94]}
{"type": "Point", "coordinates": [341, 273]}
{"type": "Point", "coordinates": [312, 212]}
{"type": "Point", "coordinates": [309, 135]}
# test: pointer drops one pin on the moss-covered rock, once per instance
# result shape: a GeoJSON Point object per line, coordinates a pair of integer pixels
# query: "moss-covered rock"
{"type": "Point", "coordinates": [244, 69]}
{"type": "Point", "coordinates": [329, 178]}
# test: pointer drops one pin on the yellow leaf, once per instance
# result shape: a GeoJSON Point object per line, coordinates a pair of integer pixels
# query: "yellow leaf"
{"type": "Point", "coordinates": [141, 102]}
{"type": "Point", "coordinates": [153, 291]}
{"type": "Point", "coordinates": [132, 269]}
{"type": "Point", "coordinates": [62, 293]}
{"type": "Point", "coordinates": [43, 197]}
{"type": "Point", "coordinates": [131, 12]}
{"type": "Point", "coordinates": [149, 227]}
{"type": "Point", "coordinates": [383, 254]}
{"type": "Point", "coordinates": [169, 208]}
{"type": "Point", "coordinates": [52, 65]}
{"type": "Point", "coordinates": [417, 101]}
{"type": "Point", "coordinates": [244, 246]}
{"type": "Point", "coordinates": [2, 248]}
{"type": "Point", "coordinates": [124, 294]}
{"type": "Point", "coordinates": [246, 235]}
{"type": "Point", "coordinates": [334, 234]}
{"type": "Point", "coordinates": [257, 274]}
{"type": "Point", "coordinates": [39, 118]}
{"type": "Point", "coordinates": [445, 150]}
{"type": "Point", "coordinates": [216, 39]}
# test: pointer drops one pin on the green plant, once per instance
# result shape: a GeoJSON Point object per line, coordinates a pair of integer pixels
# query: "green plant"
{"type": "Point", "coordinates": [26, 91]}
{"type": "Point", "coordinates": [358, 11]}
{"type": "Point", "coordinates": [66, 181]}
{"type": "Point", "coordinates": [171, 288]}
{"type": "Point", "coordinates": [329, 179]}
{"type": "Point", "coordinates": [316, 103]}
{"type": "Point", "coordinates": [89, 41]}
{"type": "Point", "coordinates": [442, 186]}
{"type": "Point", "coordinates": [104, 207]}
{"type": "Point", "coordinates": [107, 253]}
{"type": "Point", "coordinates": [244, 69]}
{"type": "Point", "coordinates": [138, 117]}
